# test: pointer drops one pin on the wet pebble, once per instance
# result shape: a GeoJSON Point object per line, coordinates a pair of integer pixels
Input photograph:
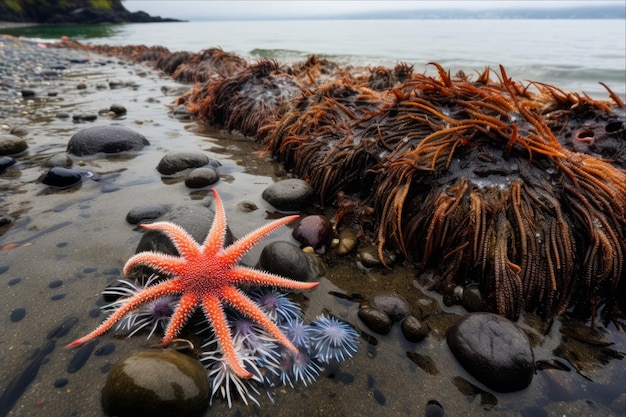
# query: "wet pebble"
{"type": "Point", "coordinates": [413, 329]}
{"type": "Point", "coordinates": [315, 231]}
{"type": "Point", "coordinates": [493, 350]}
{"type": "Point", "coordinates": [433, 409]}
{"type": "Point", "coordinates": [5, 163]}
{"type": "Point", "coordinates": [58, 160]}
{"type": "Point", "coordinates": [117, 109]}
{"type": "Point", "coordinates": [394, 305]}
{"type": "Point", "coordinates": [27, 93]}
{"type": "Point", "coordinates": [105, 139]}
{"type": "Point", "coordinates": [84, 117]}
{"type": "Point", "coordinates": [18, 314]}
{"type": "Point", "coordinates": [62, 115]}
{"type": "Point", "coordinates": [11, 144]}
{"type": "Point", "coordinates": [19, 131]}
{"type": "Point", "coordinates": [201, 177]}
{"type": "Point", "coordinates": [368, 256]}
{"type": "Point", "coordinates": [472, 299]}
{"type": "Point", "coordinates": [146, 212]}
{"type": "Point", "coordinates": [289, 195]}
{"type": "Point", "coordinates": [286, 259]}
{"type": "Point", "coordinates": [55, 284]}
{"type": "Point", "coordinates": [62, 178]}
{"type": "Point", "coordinates": [347, 242]}
{"type": "Point", "coordinates": [156, 383]}
{"type": "Point", "coordinates": [375, 320]}
{"type": "Point", "coordinates": [247, 206]}
{"type": "Point", "coordinates": [60, 382]}
{"type": "Point", "coordinates": [174, 162]}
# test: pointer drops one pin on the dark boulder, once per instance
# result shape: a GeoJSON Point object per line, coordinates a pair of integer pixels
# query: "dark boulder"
{"type": "Point", "coordinates": [494, 350]}
{"type": "Point", "coordinates": [105, 139]}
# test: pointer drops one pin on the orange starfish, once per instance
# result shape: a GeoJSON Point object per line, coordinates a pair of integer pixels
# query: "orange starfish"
{"type": "Point", "coordinates": [206, 275]}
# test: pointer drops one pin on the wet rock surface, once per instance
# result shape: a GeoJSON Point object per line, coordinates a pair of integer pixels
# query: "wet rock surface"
{"type": "Point", "coordinates": [179, 161]}
{"type": "Point", "coordinates": [105, 139]}
{"type": "Point", "coordinates": [288, 260]}
{"type": "Point", "coordinates": [394, 305]}
{"type": "Point", "coordinates": [155, 383]}
{"type": "Point", "coordinates": [201, 177]}
{"type": "Point", "coordinates": [375, 320]}
{"type": "Point", "coordinates": [11, 144]}
{"type": "Point", "coordinates": [146, 212]}
{"type": "Point", "coordinates": [289, 195]}
{"type": "Point", "coordinates": [494, 350]}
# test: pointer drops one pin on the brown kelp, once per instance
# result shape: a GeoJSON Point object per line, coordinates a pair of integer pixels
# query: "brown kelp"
{"type": "Point", "coordinates": [520, 187]}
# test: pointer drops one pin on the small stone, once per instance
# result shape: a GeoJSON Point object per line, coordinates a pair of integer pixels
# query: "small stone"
{"type": "Point", "coordinates": [286, 259]}
{"type": "Point", "coordinates": [118, 109]}
{"type": "Point", "coordinates": [5, 163]}
{"type": "Point", "coordinates": [493, 350]}
{"type": "Point", "coordinates": [62, 178]}
{"type": "Point", "coordinates": [347, 242]}
{"type": "Point", "coordinates": [368, 256]}
{"type": "Point", "coordinates": [156, 383]}
{"type": "Point", "coordinates": [201, 177]}
{"type": "Point", "coordinates": [58, 160]}
{"type": "Point", "coordinates": [413, 329]}
{"type": "Point", "coordinates": [289, 195]}
{"type": "Point", "coordinates": [179, 161]}
{"type": "Point", "coordinates": [375, 320]}
{"type": "Point", "coordinates": [472, 299]}
{"type": "Point", "coordinates": [11, 144]}
{"type": "Point", "coordinates": [394, 305]}
{"type": "Point", "coordinates": [146, 212]}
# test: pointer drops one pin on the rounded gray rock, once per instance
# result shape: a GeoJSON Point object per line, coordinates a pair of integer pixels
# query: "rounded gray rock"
{"type": "Point", "coordinates": [11, 144]}
{"type": "Point", "coordinates": [105, 139]}
{"type": "Point", "coordinates": [494, 350]}
{"type": "Point", "coordinates": [394, 305]}
{"type": "Point", "coordinates": [289, 195]}
{"type": "Point", "coordinates": [179, 161]}
{"type": "Point", "coordinates": [201, 177]}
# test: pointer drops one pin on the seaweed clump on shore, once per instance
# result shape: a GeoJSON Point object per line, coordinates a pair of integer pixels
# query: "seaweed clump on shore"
{"type": "Point", "coordinates": [519, 187]}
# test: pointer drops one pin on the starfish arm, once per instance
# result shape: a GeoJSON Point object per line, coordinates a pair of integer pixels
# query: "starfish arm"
{"type": "Point", "coordinates": [168, 264]}
{"type": "Point", "coordinates": [243, 275]}
{"type": "Point", "coordinates": [215, 238]}
{"type": "Point", "coordinates": [215, 314]}
{"type": "Point", "coordinates": [234, 252]}
{"type": "Point", "coordinates": [145, 296]}
{"type": "Point", "coordinates": [184, 242]}
{"type": "Point", "coordinates": [242, 303]}
{"type": "Point", "coordinates": [181, 313]}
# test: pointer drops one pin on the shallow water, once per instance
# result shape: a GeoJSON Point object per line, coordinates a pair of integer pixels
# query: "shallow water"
{"type": "Point", "coordinates": [89, 240]}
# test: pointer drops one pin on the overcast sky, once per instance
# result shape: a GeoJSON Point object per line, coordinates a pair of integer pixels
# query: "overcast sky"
{"type": "Point", "coordinates": [202, 10]}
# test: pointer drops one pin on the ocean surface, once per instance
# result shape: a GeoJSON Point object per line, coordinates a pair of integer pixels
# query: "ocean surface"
{"type": "Point", "coordinates": [571, 54]}
{"type": "Point", "coordinates": [65, 246]}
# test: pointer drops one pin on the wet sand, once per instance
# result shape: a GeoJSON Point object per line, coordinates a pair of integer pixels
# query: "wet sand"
{"type": "Point", "coordinates": [92, 241]}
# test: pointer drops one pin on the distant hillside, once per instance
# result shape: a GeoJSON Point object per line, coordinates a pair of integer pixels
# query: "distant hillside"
{"type": "Point", "coordinates": [582, 12]}
{"type": "Point", "coordinates": [71, 12]}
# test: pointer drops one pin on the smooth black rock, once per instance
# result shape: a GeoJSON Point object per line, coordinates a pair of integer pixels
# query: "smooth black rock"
{"type": "Point", "coordinates": [493, 350]}
{"type": "Point", "coordinates": [201, 177]}
{"type": "Point", "coordinates": [289, 195]}
{"type": "Point", "coordinates": [156, 383]}
{"type": "Point", "coordinates": [394, 305]}
{"type": "Point", "coordinates": [179, 161]}
{"type": "Point", "coordinates": [413, 329]}
{"type": "Point", "coordinates": [375, 320]}
{"type": "Point", "coordinates": [118, 109]}
{"type": "Point", "coordinates": [5, 163]}
{"type": "Point", "coordinates": [62, 178]}
{"type": "Point", "coordinates": [286, 259]}
{"type": "Point", "coordinates": [105, 139]}
{"type": "Point", "coordinates": [146, 212]}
